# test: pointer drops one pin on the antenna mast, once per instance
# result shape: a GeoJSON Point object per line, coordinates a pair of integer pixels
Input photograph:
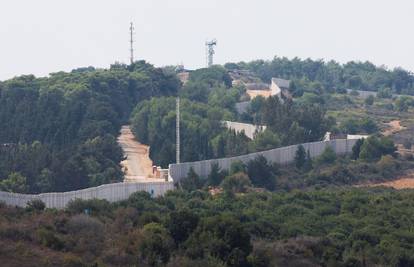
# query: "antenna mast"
{"type": "Point", "coordinates": [177, 130]}
{"type": "Point", "coordinates": [131, 29]}
{"type": "Point", "coordinates": [210, 51]}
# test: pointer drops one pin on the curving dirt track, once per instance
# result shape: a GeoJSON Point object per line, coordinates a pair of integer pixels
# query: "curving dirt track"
{"type": "Point", "coordinates": [137, 166]}
{"type": "Point", "coordinates": [394, 127]}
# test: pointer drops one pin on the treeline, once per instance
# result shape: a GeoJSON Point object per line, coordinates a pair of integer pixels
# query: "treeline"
{"type": "Point", "coordinates": [203, 135]}
{"type": "Point", "coordinates": [372, 160]}
{"type": "Point", "coordinates": [347, 227]}
{"type": "Point", "coordinates": [59, 133]}
{"type": "Point", "coordinates": [331, 76]}
{"type": "Point", "coordinates": [207, 99]}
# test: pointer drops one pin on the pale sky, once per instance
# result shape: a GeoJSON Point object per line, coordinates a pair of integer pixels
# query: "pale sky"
{"type": "Point", "coordinates": [43, 36]}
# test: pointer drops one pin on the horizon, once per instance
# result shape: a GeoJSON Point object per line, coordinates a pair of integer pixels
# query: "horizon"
{"type": "Point", "coordinates": [192, 69]}
{"type": "Point", "coordinates": [50, 37]}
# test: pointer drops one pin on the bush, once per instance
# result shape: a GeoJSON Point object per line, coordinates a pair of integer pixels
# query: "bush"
{"type": "Point", "coordinates": [92, 206]}
{"type": "Point", "coordinates": [356, 149]}
{"type": "Point", "coordinates": [328, 156]}
{"type": "Point", "coordinates": [261, 173]}
{"type": "Point", "coordinates": [236, 183]}
{"type": "Point", "coordinates": [216, 175]}
{"type": "Point", "coordinates": [36, 205]}
{"type": "Point", "coordinates": [369, 101]}
{"type": "Point", "coordinates": [156, 244]}
{"type": "Point", "coordinates": [237, 166]}
{"type": "Point", "coordinates": [384, 93]}
{"type": "Point", "coordinates": [300, 157]}
{"type": "Point", "coordinates": [49, 239]}
{"type": "Point", "coordinates": [387, 165]}
{"type": "Point", "coordinates": [373, 148]}
{"type": "Point", "coordinates": [192, 181]}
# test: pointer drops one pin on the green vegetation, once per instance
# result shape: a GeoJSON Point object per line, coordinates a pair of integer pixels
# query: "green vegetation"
{"type": "Point", "coordinates": [59, 133]}
{"type": "Point", "coordinates": [348, 227]}
{"type": "Point", "coordinates": [319, 76]}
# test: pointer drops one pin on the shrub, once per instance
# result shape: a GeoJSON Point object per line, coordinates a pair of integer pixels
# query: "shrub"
{"type": "Point", "coordinates": [356, 149]}
{"type": "Point", "coordinates": [49, 239]}
{"type": "Point", "coordinates": [369, 101]}
{"type": "Point", "coordinates": [328, 156]}
{"type": "Point", "coordinates": [300, 157]}
{"type": "Point", "coordinates": [216, 175]}
{"type": "Point", "coordinates": [236, 183]}
{"type": "Point", "coordinates": [384, 93]}
{"type": "Point", "coordinates": [181, 224]}
{"type": "Point", "coordinates": [373, 148]}
{"type": "Point", "coordinates": [237, 166]}
{"type": "Point", "coordinates": [156, 244]}
{"type": "Point", "coordinates": [192, 181]}
{"type": "Point", "coordinates": [261, 173]}
{"type": "Point", "coordinates": [95, 206]}
{"type": "Point", "coordinates": [35, 205]}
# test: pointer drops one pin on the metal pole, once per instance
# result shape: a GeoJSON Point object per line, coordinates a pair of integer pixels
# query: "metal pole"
{"type": "Point", "coordinates": [132, 42]}
{"type": "Point", "coordinates": [177, 133]}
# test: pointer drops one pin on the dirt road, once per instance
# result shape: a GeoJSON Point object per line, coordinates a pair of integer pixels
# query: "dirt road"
{"type": "Point", "coordinates": [138, 165]}
{"type": "Point", "coordinates": [403, 182]}
{"type": "Point", "coordinates": [395, 127]}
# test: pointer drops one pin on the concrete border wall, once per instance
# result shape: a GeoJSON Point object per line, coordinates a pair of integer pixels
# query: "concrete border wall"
{"type": "Point", "coordinates": [111, 192]}
{"type": "Point", "coordinates": [283, 156]}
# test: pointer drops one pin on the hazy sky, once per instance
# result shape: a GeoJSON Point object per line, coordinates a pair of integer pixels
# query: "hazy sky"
{"type": "Point", "coordinates": [46, 36]}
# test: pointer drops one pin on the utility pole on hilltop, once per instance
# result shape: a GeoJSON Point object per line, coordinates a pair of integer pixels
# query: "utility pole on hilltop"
{"type": "Point", "coordinates": [177, 130]}
{"type": "Point", "coordinates": [210, 52]}
{"type": "Point", "coordinates": [131, 29]}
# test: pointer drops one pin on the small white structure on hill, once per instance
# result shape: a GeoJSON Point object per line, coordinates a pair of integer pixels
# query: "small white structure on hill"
{"type": "Point", "coordinates": [278, 87]}
{"type": "Point", "coordinates": [331, 136]}
{"type": "Point", "coordinates": [249, 130]}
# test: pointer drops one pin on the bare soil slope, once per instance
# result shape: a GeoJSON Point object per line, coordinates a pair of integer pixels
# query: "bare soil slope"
{"type": "Point", "coordinates": [137, 166]}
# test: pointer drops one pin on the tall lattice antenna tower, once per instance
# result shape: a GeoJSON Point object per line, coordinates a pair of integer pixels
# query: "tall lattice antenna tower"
{"type": "Point", "coordinates": [177, 131]}
{"type": "Point", "coordinates": [131, 30]}
{"type": "Point", "coordinates": [210, 52]}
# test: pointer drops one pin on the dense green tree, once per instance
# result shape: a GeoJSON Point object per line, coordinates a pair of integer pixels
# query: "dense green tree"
{"type": "Point", "coordinates": [373, 148]}
{"type": "Point", "coordinates": [300, 157]}
{"type": "Point", "coordinates": [181, 224]}
{"type": "Point", "coordinates": [261, 173]}
{"type": "Point", "coordinates": [216, 175]}
{"type": "Point", "coordinates": [236, 183]}
{"type": "Point", "coordinates": [192, 181]}
{"type": "Point", "coordinates": [222, 237]}
{"type": "Point", "coordinates": [369, 101]}
{"type": "Point", "coordinates": [356, 149]}
{"type": "Point", "coordinates": [15, 182]}
{"type": "Point", "coordinates": [156, 244]}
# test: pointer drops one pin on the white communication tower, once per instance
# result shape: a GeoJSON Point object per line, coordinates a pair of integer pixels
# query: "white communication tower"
{"type": "Point", "coordinates": [210, 52]}
{"type": "Point", "coordinates": [131, 31]}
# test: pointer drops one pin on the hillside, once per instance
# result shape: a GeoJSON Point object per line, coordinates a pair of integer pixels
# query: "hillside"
{"type": "Point", "coordinates": [63, 132]}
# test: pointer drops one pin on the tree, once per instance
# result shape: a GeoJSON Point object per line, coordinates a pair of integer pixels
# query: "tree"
{"type": "Point", "coordinates": [222, 237]}
{"type": "Point", "coordinates": [181, 224]}
{"type": "Point", "coordinates": [192, 181]}
{"type": "Point", "coordinates": [384, 93]}
{"type": "Point", "coordinates": [300, 157]}
{"type": "Point", "coordinates": [356, 149]}
{"type": "Point", "coordinates": [261, 173]}
{"type": "Point", "coordinates": [403, 103]}
{"type": "Point", "coordinates": [369, 101]}
{"type": "Point", "coordinates": [236, 183]}
{"type": "Point", "coordinates": [216, 175]}
{"type": "Point", "coordinates": [15, 183]}
{"type": "Point", "coordinates": [156, 244]}
{"type": "Point", "coordinates": [237, 166]}
{"type": "Point", "coordinates": [373, 148]}
{"type": "Point", "coordinates": [328, 156]}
